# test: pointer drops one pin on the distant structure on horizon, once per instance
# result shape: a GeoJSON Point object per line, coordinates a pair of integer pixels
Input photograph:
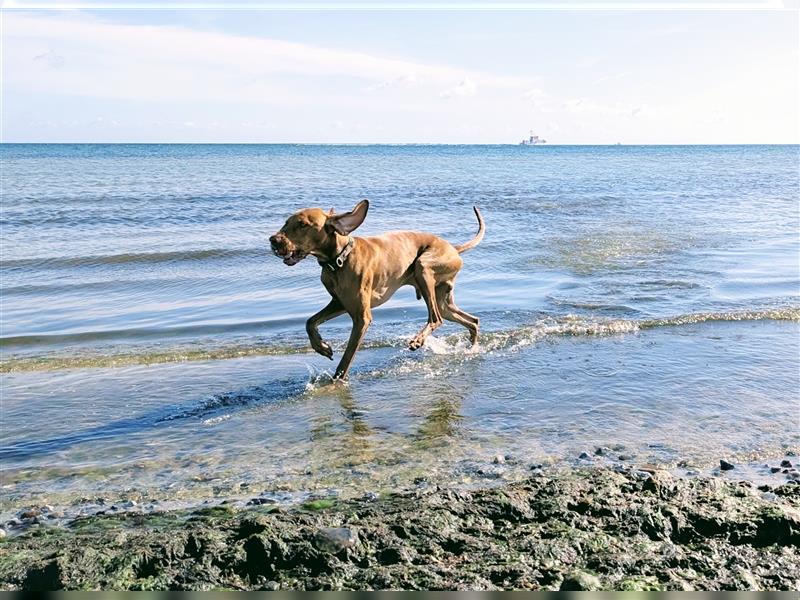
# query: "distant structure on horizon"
{"type": "Point", "coordinates": [533, 140]}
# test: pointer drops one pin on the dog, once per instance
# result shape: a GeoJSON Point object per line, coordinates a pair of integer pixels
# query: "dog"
{"type": "Point", "coordinates": [363, 273]}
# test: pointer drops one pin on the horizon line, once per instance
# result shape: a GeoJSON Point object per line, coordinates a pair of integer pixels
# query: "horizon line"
{"type": "Point", "coordinates": [5, 143]}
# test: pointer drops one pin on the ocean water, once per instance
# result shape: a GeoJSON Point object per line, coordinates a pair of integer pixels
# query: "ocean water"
{"type": "Point", "coordinates": [644, 298]}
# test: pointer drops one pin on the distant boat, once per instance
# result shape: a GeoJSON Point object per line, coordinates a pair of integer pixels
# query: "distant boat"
{"type": "Point", "coordinates": [533, 140]}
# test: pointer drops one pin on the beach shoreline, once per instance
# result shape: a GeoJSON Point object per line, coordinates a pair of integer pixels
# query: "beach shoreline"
{"type": "Point", "coordinates": [586, 528]}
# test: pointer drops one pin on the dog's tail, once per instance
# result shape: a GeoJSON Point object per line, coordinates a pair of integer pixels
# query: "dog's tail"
{"type": "Point", "coordinates": [478, 236]}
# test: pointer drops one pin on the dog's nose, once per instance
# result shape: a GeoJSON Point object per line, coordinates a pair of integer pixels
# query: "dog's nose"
{"type": "Point", "coordinates": [273, 240]}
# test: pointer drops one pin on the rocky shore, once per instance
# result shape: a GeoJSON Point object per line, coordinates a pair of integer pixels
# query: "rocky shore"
{"type": "Point", "coordinates": [596, 528]}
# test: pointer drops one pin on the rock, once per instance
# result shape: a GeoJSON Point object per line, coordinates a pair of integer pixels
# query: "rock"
{"type": "Point", "coordinates": [494, 473]}
{"type": "Point", "coordinates": [370, 496]}
{"type": "Point", "coordinates": [625, 457]}
{"type": "Point", "coordinates": [499, 459]}
{"type": "Point", "coordinates": [536, 466]}
{"type": "Point", "coordinates": [335, 539]}
{"type": "Point", "coordinates": [795, 475]}
{"type": "Point", "coordinates": [259, 501]}
{"type": "Point", "coordinates": [601, 451]}
{"type": "Point", "coordinates": [786, 464]}
{"type": "Point", "coordinates": [30, 513]}
{"type": "Point", "coordinates": [2, 533]}
{"type": "Point", "coordinates": [584, 455]}
{"type": "Point", "coordinates": [580, 581]}
{"type": "Point", "coordinates": [774, 469]}
{"type": "Point", "coordinates": [13, 523]}
{"type": "Point", "coordinates": [726, 465]}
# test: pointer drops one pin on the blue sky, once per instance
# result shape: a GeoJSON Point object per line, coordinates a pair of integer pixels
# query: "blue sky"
{"type": "Point", "coordinates": [400, 76]}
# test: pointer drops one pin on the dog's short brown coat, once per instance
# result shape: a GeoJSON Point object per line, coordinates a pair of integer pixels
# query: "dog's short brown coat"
{"type": "Point", "coordinates": [375, 268]}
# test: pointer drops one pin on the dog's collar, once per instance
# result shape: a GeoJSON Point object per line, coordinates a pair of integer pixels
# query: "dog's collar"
{"type": "Point", "coordinates": [338, 262]}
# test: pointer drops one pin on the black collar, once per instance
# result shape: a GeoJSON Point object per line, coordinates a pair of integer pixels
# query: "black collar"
{"type": "Point", "coordinates": [338, 262]}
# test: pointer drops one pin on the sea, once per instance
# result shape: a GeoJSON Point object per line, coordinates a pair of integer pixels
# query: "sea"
{"type": "Point", "coordinates": [639, 304]}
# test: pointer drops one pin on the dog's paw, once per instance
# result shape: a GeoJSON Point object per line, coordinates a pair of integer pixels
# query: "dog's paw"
{"type": "Point", "coordinates": [324, 349]}
{"type": "Point", "coordinates": [416, 343]}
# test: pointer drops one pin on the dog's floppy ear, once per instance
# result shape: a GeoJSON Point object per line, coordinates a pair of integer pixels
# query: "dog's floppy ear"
{"type": "Point", "coordinates": [344, 223]}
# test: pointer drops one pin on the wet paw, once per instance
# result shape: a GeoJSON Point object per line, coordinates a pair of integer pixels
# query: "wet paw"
{"type": "Point", "coordinates": [324, 349]}
{"type": "Point", "coordinates": [416, 343]}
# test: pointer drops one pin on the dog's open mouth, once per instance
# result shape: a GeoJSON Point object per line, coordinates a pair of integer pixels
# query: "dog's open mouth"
{"type": "Point", "coordinates": [292, 258]}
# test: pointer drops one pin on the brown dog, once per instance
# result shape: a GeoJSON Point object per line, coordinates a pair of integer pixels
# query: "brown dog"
{"type": "Point", "coordinates": [362, 273]}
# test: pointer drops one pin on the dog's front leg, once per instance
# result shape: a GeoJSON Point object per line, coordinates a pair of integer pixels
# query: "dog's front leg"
{"type": "Point", "coordinates": [362, 317]}
{"type": "Point", "coordinates": [331, 311]}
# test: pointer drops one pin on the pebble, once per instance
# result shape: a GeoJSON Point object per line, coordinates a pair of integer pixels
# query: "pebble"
{"type": "Point", "coordinates": [726, 465]}
{"type": "Point", "coordinates": [786, 464]}
{"type": "Point", "coordinates": [496, 473]}
{"type": "Point", "coordinates": [335, 539]}
{"type": "Point", "coordinates": [259, 501]}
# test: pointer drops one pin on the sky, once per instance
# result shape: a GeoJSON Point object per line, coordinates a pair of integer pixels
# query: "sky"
{"type": "Point", "coordinates": [484, 77]}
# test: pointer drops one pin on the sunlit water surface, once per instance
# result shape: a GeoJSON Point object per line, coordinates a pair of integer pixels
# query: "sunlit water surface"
{"type": "Point", "coordinates": [644, 299]}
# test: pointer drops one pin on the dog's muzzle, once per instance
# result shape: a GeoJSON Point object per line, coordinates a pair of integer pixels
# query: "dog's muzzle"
{"type": "Point", "coordinates": [282, 248]}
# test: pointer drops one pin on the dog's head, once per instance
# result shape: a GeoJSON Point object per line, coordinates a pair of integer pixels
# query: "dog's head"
{"type": "Point", "coordinates": [313, 231]}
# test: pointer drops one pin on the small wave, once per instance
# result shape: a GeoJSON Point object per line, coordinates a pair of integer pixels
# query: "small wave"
{"type": "Point", "coordinates": [490, 341]}
{"type": "Point", "coordinates": [61, 262]}
{"type": "Point", "coordinates": [142, 333]}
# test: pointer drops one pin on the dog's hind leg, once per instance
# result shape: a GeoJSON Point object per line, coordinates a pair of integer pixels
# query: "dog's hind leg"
{"type": "Point", "coordinates": [426, 286]}
{"type": "Point", "coordinates": [451, 312]}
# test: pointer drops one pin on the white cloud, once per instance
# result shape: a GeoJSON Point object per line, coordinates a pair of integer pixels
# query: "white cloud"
{"type": "Point", "coordinates": [101, 59]}
{"type": "Point", "coordinates": [465, 87]}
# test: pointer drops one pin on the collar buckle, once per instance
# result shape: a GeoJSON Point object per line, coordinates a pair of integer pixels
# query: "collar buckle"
{"type": "Point", "coordinates": [338, 262]}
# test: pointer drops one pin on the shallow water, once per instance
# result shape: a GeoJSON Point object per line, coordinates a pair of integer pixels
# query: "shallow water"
{"type": "Point", "coordinates": [645, 297]}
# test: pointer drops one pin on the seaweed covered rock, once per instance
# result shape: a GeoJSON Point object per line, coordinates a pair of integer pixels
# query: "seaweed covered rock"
{"type": "Point", "coordinates": [596, 529]}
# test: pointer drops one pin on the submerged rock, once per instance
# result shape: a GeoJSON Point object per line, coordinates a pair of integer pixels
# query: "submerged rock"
{"type": "Point", "coordinates": [726, 465]}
